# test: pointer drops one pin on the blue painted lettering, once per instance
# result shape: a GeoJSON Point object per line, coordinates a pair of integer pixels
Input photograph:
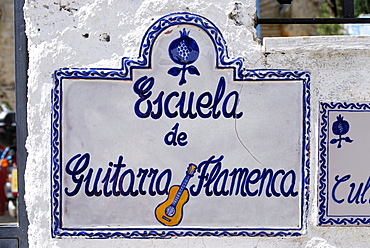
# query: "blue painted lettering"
{"type": "Point", "coordinates": [122, 178]}
{"type": "Point", "coordinates": [213, 180]}
{"type": "Point", "coordinates": [172, 138]}
{"type": "Point", "coordinates": [206, 105]}
{"type": "Point", "coordinates": [338, 181]}
{"type": "Point", "coordinates": [220, 182]}
{"type": "Point", "coordinates": [357, 192]}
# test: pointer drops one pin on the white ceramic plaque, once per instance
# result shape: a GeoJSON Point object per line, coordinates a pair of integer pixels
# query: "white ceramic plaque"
{"type": "Point", "coordinates": [182, 141]}
{"type": "Point", "coordinates": [344, 182]}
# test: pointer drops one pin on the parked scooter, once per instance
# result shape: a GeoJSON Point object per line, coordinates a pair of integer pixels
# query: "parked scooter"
{"type": "Point", "coordinates": [11, 186]}
{"type": "Point", "coordinates": [8, 167]}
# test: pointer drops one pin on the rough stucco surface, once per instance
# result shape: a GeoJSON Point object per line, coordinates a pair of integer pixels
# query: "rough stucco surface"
{"type": "Point", "coordinates": [98, 33]}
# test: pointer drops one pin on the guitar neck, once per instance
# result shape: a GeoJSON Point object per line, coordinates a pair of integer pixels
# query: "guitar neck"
{"type": "Point", "coordinates": [182, 188]}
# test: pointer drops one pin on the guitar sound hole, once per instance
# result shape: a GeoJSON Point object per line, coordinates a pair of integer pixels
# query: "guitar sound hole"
{"type": "Point", "coordinates": [170, 211]}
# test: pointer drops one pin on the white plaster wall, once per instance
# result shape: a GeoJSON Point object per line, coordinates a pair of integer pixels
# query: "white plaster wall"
{"type": "Point", "coordinates": [57, 31]}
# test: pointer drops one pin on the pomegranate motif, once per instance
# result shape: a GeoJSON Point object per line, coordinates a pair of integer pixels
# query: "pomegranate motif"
{"type": "Point", "coordinates": [340, 127]}
{"type": "Point", "coordinates": [183, 51]}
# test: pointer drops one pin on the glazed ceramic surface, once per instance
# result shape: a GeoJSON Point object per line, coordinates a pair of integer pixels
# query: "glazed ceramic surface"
{"type": "Point", "coordinates": [180, 141]}
{"type": "Point", "coordinates": [344, 185]}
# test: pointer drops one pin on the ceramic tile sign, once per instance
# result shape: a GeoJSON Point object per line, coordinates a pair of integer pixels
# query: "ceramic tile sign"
{"type": "Point", "coordinates": [181, 141]}
{"type": "Point", "coordinates": [344, 182]}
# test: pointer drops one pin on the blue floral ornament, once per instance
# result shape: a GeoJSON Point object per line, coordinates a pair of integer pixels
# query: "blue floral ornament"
{"type": "Point", "coordinates": [183, 51]}
{"type": "Point", "coordinates": [340, 127]}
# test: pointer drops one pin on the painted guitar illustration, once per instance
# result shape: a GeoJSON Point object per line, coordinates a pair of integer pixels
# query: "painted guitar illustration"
{"type": "Point", "coordinates": [170, 212]}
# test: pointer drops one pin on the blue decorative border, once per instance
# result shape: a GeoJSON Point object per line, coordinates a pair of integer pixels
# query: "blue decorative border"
{"type": "Point", "coordinates": [125, 73]}
{"type": "Point", "coordinates": [324, 218]}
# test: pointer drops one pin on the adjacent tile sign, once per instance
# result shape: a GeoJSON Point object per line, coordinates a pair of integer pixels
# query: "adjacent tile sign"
{"type": "Point", "coordinates": [344, 182]}
{"type": "Point", "coordinates": [181, 141]}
